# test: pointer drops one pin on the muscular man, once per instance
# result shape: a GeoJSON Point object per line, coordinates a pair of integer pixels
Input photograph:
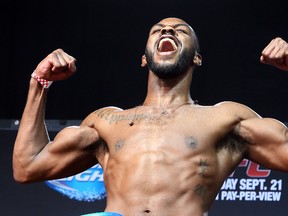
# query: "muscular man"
{"type": "Point", "coordinates": [168, 156]}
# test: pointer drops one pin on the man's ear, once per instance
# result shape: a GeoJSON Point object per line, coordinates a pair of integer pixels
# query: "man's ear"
{"type": "Point", "coordinates": [197, 59]}
{"type": "Point", "coordinates": [143, 61]}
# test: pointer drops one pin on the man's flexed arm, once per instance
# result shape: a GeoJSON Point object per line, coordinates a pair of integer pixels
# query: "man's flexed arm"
{"type": "Point", "coordinates": [35, 157]}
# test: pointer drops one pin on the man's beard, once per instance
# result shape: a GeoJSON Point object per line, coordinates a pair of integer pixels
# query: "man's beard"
{"type": "Point", "coordinates": [166, 71]}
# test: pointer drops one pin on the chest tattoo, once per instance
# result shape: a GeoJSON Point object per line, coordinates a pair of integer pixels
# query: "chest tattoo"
{"type": "Point", "coordinates": [203, 166]}
{"type": "Point", "coordinates": [112, 117]}
{"type": "Point", "coordinates": [191, 142]}
{"type": "Point", "coordinates": [119, 144]}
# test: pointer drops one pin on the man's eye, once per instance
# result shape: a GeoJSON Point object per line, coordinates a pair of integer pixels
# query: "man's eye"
{"type": "Point", "coordinates": [182, 30]}
{"type": "Point", "coordinates": [155, 31]}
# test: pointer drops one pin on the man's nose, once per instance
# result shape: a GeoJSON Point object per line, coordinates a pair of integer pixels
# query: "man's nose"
{"type": "Point", "coordinates": [168, 30]}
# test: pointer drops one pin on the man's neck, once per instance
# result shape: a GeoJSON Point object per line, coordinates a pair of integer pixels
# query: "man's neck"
{"type": "Point", "coordinates": [167, 93]}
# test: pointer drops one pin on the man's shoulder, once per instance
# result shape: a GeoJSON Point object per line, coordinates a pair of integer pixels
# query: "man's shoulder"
{"type": "Point", "coordinates": [232, 105]}
{"type": "Point", "coordinates": [229, 104]}
{"type": "Point", "coordinates": [107, 109]}
{"type": "Point", "coordinates": [236, 109]}
{"type": "Point", "coordinates": [226, 106]}
{"type": "Point", "coordinates": [101, 114]}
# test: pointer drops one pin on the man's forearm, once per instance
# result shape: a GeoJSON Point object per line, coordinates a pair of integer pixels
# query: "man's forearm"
{"type": "Point", "coordinates": [32, 134]}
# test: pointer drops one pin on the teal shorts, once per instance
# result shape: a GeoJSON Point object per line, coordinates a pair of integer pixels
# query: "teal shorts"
{"type": "Point", "coordinates": [103, 214]}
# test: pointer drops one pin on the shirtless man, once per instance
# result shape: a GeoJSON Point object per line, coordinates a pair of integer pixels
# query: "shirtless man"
{"type": "Point", "coordinates": [168, 156]}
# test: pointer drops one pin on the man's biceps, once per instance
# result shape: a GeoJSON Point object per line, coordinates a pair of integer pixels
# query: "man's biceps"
{"type": "Point", "coordinates": [73, 126]}
{"type": "Point", "coordinates": [76, 135]}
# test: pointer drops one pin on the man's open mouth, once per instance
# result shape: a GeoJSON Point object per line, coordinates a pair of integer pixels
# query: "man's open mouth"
{"type": "Point", "coordinates": [167, 45]}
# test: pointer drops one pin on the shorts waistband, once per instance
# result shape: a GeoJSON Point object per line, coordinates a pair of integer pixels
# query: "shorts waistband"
{"type": "Point", "coordinates": [103, 214]}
